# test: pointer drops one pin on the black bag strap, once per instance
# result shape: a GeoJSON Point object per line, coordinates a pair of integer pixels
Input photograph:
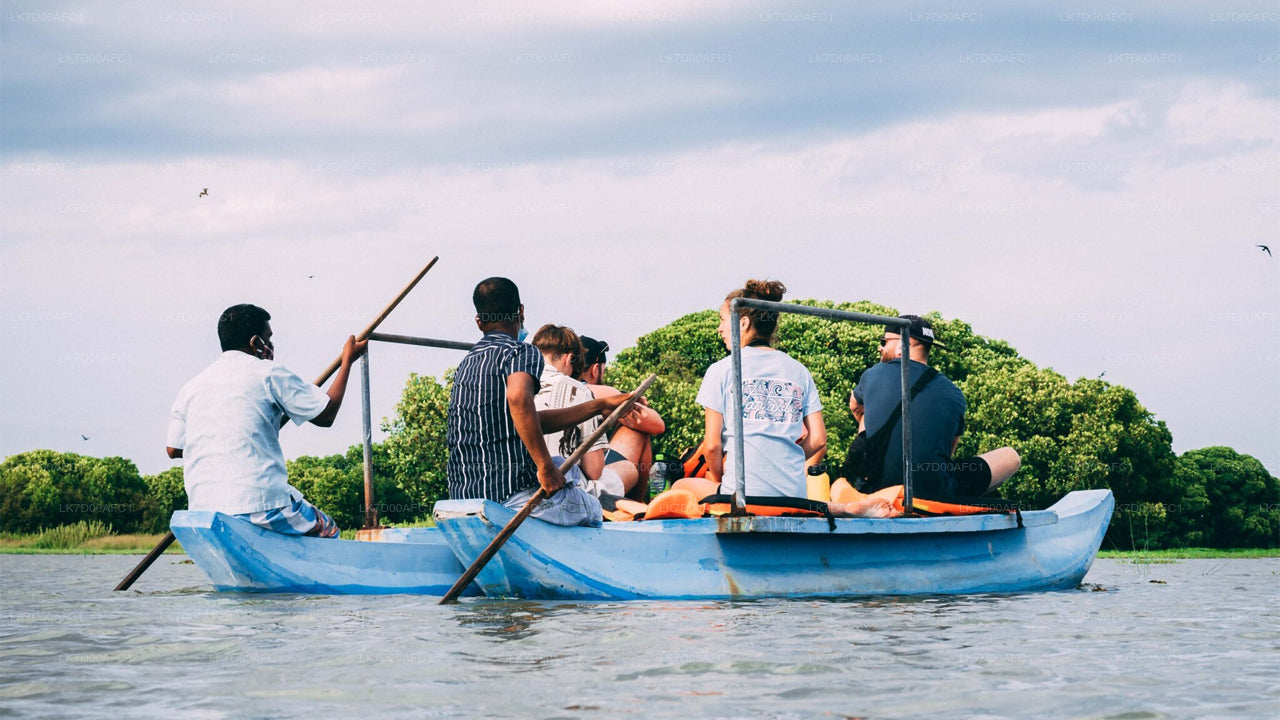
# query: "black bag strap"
{"type": "Point", "coordinates": [878, 443]}
{"type": "Point", "coordinates": [924, 379]}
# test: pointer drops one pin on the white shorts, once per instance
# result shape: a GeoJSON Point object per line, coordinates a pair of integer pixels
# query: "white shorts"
{"type": "Point", "coordinates": [571, 505]}
{"type": "Point", "coordinates": [610, 482]}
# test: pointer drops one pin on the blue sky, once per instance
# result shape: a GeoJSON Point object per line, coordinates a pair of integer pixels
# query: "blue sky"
{"type": "Point", "coordinates": [1085, 180]}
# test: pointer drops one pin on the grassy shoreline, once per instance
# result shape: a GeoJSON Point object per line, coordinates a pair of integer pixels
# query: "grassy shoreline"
{"type": "Point", "coordinates": [97, 539]}
{"type": "Point", "coordinates": [1190, 553]}
{"type": "Point", "coordinates": [30, 544]}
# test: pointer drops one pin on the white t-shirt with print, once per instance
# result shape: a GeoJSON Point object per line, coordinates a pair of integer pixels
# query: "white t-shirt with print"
{"type": "Point", "coordinates": [778, 393]}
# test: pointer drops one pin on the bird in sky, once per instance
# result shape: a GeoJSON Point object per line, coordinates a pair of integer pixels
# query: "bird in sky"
{"type": "Point", "coordinates": [203, 192]}
{"type": "Point", "coordinates": [1265, 249]}
{"type": "Point", "coordinates": [84, 437]}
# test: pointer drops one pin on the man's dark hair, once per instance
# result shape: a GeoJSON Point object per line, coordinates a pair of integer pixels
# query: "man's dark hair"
{"type": "Point", "coordinates": [594, 351]}
{"type": "Point", "coordinates": [497, 300]}
{"type": "Point", "coordinates": [239, 323]}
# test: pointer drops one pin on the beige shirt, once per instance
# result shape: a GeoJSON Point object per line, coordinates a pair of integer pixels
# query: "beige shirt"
{"type": "Point", "coordinates": [560, 391]}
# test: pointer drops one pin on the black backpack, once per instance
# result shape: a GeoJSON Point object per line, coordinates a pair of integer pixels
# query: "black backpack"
{"type": "Point", "coordinates": [864, 463]}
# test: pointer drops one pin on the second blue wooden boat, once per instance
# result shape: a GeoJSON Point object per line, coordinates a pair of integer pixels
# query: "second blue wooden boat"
{"type": "Point", "coordinates": [756, 557]}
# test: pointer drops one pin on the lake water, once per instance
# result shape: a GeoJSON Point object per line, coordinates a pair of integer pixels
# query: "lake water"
{"type": "Point", "coordinates": [1195, 639]}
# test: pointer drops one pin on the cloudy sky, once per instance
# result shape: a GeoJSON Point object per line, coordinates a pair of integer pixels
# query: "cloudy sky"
{"type": "Point", "coordinates": [1085, 180]}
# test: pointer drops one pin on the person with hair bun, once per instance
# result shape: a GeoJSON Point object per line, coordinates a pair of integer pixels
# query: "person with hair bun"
{"type": "Point", "coordinates": [781, 412]}
{"type": "Point", "coordinates": [563, 361]}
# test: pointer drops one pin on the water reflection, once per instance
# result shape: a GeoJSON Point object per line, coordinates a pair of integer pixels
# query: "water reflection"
{"type": "Point", "coordinates": [1172, 649]}
{"type": "Point", "coordinates": [503, 619]}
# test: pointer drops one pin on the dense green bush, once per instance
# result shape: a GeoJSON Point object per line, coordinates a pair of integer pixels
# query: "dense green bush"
{"type": "Point", "coordinates": [335, 484]}
{"type": "Point", "coordinates": [415, 450]}
{"type": "Point", "coordinates": [1227, 500]}
{"type": "Point", "coordinates": [43, 488]}
{"type": "Point", "coordinates": [165, 493]}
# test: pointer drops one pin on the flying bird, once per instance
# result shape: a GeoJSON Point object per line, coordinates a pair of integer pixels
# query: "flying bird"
{"type": "Point", "coordinates": [203, 192]}
{"type": "Point", "coordinates": [1265, 249]}
{"type": "Point", "coordinates": [84, 437]}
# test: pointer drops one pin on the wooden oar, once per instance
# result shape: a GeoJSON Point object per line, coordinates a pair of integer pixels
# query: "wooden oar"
{"type": "Point", "coordinates": [168, 538]}
{"type": "Point", "coordinates": [541, 495]}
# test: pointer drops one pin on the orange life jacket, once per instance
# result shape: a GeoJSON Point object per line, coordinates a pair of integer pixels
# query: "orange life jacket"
{"type": "Point", "coordinates": [694, 461]}
{"type": "Point", "coordinates": [674, 503]}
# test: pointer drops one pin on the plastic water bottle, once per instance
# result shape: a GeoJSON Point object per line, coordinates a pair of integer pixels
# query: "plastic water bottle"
{"type": "Point", "coordinates": [658, 475]}
{"type": "Point", "coordinates": [818, 483]}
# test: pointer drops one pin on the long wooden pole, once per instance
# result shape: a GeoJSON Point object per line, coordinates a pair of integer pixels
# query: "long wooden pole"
{"type": "Point", "coordinates": [541, 495]}
{"type": "Point", "coordinates": [168, 538]}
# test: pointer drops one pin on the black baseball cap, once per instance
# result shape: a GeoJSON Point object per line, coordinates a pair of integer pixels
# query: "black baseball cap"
{"type": "Point", "coordinates": [920, 330]}
{"type": "Point", "coordinates": [594, 350]}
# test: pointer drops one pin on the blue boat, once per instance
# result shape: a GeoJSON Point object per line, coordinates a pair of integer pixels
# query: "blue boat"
{"type": "Point", "coordinates": [240, 556]}
{"type": "Point", "coordinates": [758, 557]}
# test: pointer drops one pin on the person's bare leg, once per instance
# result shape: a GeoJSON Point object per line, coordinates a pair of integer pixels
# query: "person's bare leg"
{"type": "Point", "coordinates": [630, 443]}
{"type": "Point", "coordinates": [1004, 462]}
{"type": "Point", "coordinates": [646, 458]}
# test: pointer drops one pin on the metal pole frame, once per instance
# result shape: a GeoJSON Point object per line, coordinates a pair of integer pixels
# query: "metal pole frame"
{"type": "Point", "coordinates": [370, 514]}
{"type": "Point", "coordinates": [421, 341]}
{"type": "Point", "coordinates": [735, 306]}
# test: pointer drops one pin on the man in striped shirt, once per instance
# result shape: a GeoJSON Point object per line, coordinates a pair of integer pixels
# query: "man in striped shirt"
{"type": "Point", "coordinates": [495, 434]}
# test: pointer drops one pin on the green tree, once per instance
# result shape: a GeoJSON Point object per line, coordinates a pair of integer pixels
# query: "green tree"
{"type": "Point", "coordinates": [1229, 500]}
{"type": "Point", "coordinates": [335, 484]}
{"type": "Point", "coordinates": [166, 494]}
{"type": "Point", "coordinates": [416, 449]}
{"type": "Point", "coordinates": [44, 488]}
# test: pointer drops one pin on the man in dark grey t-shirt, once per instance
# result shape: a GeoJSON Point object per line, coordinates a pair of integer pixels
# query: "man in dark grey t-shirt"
{"type": "Point", "coordinates": [937, 421]}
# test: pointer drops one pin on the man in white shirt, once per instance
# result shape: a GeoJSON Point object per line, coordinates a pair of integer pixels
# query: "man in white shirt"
{"type": "Point", "coordinates": [225, 425]}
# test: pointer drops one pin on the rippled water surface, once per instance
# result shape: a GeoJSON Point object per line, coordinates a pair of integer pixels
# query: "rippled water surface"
{"type": "Point", "coordinates": [1194, 639]}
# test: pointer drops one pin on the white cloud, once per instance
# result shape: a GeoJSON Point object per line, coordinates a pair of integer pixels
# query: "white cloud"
{"type": "Point", "coordinates": [1057, 229]}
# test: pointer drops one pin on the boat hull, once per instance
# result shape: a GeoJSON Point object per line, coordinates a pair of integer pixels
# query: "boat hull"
{"type": "Point", "coordinates": [240, 556]}
{"type": "Point", "coordinates": [756, 557]}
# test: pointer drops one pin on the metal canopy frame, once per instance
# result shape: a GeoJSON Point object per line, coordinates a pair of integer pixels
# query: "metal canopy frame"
{"type": "Point", "coordinates": [370, 514]}
{"type": "Point", "coordinates": [735, 307]}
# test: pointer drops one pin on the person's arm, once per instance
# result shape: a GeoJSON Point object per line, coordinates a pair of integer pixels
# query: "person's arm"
{"type": "Point", "coordinates": [350, 353]}
{"type": "Point", "coordinates": [713, 445]}
{"type": "Point", "coordinates": [176, 434]}
{"type": "Point", "coordinates": [815, 436]}
{"type": "Point", "coordinates": [857, 410]}
{"type": "Point", "coordinates": [645, 419]}
{"type": "Point", "coordinates": [566, 417]}
{"type": "Point", "coordinates": [520, 389]}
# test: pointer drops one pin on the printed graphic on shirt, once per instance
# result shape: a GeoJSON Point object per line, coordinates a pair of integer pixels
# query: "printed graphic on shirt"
{"type": "Point", "coordinates": [772, 400]}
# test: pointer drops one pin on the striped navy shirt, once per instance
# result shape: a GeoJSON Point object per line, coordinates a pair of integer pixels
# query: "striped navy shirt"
{"type": "Point", "coordinates": [487, 459]}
